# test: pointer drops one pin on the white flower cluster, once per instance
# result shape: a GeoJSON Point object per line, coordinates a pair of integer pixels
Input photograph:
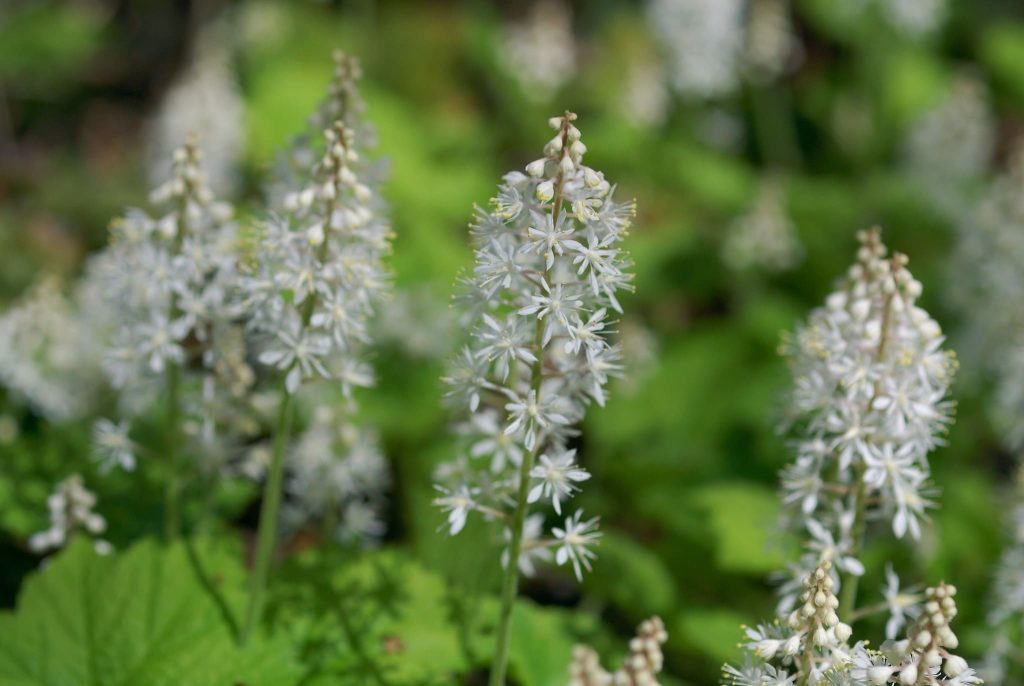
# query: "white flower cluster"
{"type": "Point", "coordinates": [640, 667]}
{"type": "Point", "coordinates": [870, 401]}
{"type": "Point", "coordinates": [204, 97]}
{"type": "Point", "coordinates": [310, 289]}
{"type": "Point", "coordinates": [989, 267]}
{"type": "Point", "coordinates": [948, 150]}
{"type": "Point", "coordinates": [71, 511]}
{"type": "Point", "coordinates": [337, 475]}
{"type": "Point", "coordinates": [318, 273]}
{"type": "Point", "coordinates": [540, 52]}
{"type": "Point", "coordinates": [765, 236]}
{"type": "Point", "coordinates": [814, 646]}
{"type": "Point", "coordinates": [712, 45]}
{"type": "Point", "coordinates": [170, 280]}
{"type": "Point", "coordinates": [49, 356]}
{"type": "Point", "coordinates": [549, 267]}
{"type": "Point", "coordinates": [703, 41]}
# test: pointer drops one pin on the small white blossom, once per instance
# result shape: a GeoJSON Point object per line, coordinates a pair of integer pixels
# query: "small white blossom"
{"type": "Point", "coordinates": [113, 446]}
{"type": "Point", "coordinates": [574, 540]}
{"type": "Point", "coordinates": [555, 478]}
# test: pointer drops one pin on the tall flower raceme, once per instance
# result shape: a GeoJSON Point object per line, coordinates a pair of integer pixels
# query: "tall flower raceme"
{"type": "Point", "coordinates": [176, 341]}
{"type": "Point", "coordinates": [313, 282]}
{"type": "Point", "coordinates": [871, 381]}
{"type": "Point", "coordinates": [948, 150]}
{"type": "Point", "coordinates": [989, 264]}
{"type": "Point", "coordinates": [870, 401]}
{"type": "Point", "coordinates": [539, 303]}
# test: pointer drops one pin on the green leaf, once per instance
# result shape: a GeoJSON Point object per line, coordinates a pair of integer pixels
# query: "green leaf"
{"type": "Point", "coordinates": [633, 577]}
{"type": "Point", "coordinates": [379, 618]}
{"type": "Point", "coordinates": [712, 632]}
{"type": "Point", "coordinates": [541, 646]}
{"type": "Point", "coordinates": [540, 641]}
{"type": "Point", "coordinates": [144, 616]}
{"type": "Point", "coordinates": [742, 517]}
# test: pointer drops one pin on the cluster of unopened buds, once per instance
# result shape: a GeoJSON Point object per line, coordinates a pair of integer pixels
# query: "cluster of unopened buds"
{"type": "Point", "coordinates": [71, 511]}
{"type": "Point", "coordinates": [639, 668]}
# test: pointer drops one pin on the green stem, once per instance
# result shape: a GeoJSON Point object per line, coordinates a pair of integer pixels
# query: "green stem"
{"type": "Point", "coordinates": [172, 485]}
{"type": "Point", "coordinates": [510, 580]}
{"type": "Point", "coordinates": [267, 535]}
{"type": "Point", "coordinates": [774, 126]}
{"type": "Point", "coordinates": [848, 594]}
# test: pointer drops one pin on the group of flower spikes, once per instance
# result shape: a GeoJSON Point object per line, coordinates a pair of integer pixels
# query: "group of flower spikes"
{"type": "Point", "coordinates": [191, 300]}
{"type": "Point", "coordinates": [870, 401]}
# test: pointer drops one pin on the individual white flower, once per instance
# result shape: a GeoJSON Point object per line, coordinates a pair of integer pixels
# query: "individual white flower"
{"type": "Point", "coordinates": [458, 504]}
{"type": "Point", "coordinates": [533, 417]}
{"type": "Point", "coordinates": [300, 354]}
{"type": "Point", "coordinates": [574, 540]}
{"type": "Point", "coordinates": [900, 605]}
{"type": "Point", "coordinates": [549, 265]}
{"type": "Point", "coordinates": [556, 478]}
{"type": "Point", "coordinates": [113, 446]}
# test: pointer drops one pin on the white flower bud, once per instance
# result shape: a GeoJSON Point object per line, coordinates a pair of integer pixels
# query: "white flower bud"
{"type": "Point", "coordinates": [545, 191]}
{"type": "Point", "coordinates": [315, 234]}
{"type": "Point", "coordinates": [536, 168]}
{"type": "Point", "coordinates": [879, 676]}
{"type": "Point", "coordinates": [955, 666]}
{"type": "Point", "coordinates": [908, 675]}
